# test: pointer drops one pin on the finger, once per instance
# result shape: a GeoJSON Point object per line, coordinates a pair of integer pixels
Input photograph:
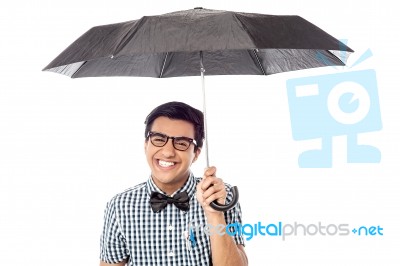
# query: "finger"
{"type": "Point", "coordinates": [210, 181]}
{"type": "Point", "coordinates": [219, 196]}
{"type": "Point", "coordinates": [217, 188]}
{"type": "Point", "coordinates": [199, 186]}
{"type": "Point", "coordinates": [210, 171]}
{"type": "Point", "coordinates": [206, 182]}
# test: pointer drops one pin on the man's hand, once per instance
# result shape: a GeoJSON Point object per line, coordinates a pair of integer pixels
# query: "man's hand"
{"type": "Point", "coordinates": [209, 189]}
{"type": "Point", "coordinates": [224, 250]}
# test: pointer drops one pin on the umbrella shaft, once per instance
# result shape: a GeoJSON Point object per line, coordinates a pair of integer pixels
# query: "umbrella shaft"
{"type": "Point", "coordinates": [202, 70]}
{"type": "Point", "coordinates": [235, 193]}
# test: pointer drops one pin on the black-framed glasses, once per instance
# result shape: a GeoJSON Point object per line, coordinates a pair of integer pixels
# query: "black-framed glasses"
{"type": "Point", "coordinates": [179, 143]}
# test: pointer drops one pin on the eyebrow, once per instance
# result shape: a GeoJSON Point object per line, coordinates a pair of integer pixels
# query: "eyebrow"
{"type": "Point", "coordinates": [157, 132]}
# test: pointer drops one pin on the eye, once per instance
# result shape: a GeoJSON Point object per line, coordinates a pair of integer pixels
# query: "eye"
{"type": "Point", "coordinates": [182, 143]}
{"type": "Point", "coordinates": [158, 138]}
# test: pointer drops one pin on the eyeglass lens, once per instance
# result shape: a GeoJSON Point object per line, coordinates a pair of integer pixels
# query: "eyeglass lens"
{"type": "Point", "coordinates": [179, 143]}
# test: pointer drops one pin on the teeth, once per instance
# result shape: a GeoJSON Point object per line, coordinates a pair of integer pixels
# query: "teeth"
{"type": "Point", "coordinates": [165, 164]}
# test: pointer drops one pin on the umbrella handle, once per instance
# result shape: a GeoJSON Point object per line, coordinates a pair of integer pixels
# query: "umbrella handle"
{"type": "Point", "coordinates": [223, 208]}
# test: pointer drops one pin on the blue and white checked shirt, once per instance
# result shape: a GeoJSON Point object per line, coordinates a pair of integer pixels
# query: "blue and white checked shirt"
{"type": "Point", "coordinates": [133, 231]}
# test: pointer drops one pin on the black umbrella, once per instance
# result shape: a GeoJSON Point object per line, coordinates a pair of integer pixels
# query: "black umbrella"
{"type": "Point", "coordinates": [197, 41]}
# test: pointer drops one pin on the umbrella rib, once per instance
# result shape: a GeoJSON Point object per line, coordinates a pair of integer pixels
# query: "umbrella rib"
{"type": "Point", "coordinates": [259, 62]}
{"type": "Point", "coordinates": [73, 75]}
{"type": "Point", "coordinates": [162, 69]}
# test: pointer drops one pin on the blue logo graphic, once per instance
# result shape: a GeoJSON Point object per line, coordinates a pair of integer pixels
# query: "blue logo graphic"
{"type": "Point", "coordinates": [192, 238]}
{"type": "Point", "coordinates": [331, 105]}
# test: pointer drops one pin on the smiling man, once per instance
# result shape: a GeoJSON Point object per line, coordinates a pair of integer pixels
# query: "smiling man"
{"type": "Point", "coordinates": [150, 224]}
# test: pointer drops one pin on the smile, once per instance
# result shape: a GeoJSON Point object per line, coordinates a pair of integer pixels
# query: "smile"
{"type": "Point", "coordinates": [165, 164]}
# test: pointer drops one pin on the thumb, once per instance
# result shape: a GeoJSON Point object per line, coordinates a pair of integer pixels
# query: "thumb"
{"type": "Point", "coordinates": [210, 171]}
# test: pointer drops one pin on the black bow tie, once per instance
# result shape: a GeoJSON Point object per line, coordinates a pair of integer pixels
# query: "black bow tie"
{"type": "Point", "coordinates": [159, 201]}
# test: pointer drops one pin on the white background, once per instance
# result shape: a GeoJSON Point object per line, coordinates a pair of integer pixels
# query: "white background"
{"type": "Point", "coordinates": [67, 146]}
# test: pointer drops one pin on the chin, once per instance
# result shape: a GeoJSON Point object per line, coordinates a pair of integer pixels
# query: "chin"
{"type": "Point", "coordinates": [168, 178]}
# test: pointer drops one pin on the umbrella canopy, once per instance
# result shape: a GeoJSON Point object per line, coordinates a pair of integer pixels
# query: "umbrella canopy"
{"type": "Point", "coordinates": [190, 42]}
{"type": "Point", "coordinates": [233, 43]}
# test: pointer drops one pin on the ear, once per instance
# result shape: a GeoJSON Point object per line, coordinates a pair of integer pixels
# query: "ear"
{"type": "Point", "coordinates": [146, 142]}
{"type": "Point", "coordinates": [197, 154]}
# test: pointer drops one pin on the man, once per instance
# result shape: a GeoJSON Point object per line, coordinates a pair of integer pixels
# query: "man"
{"type": "Point", "coordinates": [166, 220]}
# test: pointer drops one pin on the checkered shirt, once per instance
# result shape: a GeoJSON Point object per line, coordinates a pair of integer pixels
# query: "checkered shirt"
{"type": "Point", "coordinates": [134, 232]}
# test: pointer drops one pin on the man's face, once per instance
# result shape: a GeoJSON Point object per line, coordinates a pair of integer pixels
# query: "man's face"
{"type": "Point", "coordinates": [170, 167]}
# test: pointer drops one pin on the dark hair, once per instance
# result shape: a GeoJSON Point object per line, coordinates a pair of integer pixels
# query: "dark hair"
{"type": "Point", "coordinates": [179, 111]}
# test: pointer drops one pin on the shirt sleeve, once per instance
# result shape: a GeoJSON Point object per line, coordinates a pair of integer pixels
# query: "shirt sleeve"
{"type": "Point", "coordinates": [234, 217]}
{"type": "Point", "coordinates": [112, 241]}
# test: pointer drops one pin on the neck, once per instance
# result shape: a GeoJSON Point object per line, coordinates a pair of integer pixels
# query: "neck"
{"type": "Point", "coordinates": [169, 188]}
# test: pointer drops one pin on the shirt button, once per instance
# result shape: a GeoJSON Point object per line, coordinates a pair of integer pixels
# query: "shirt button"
{"type": "Point", "coordinates": [171, 253]}
{"type": "Point", "coordinates": [170, 227]}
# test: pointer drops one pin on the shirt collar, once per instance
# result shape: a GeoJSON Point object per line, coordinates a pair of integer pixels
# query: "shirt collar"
{"type": "Point", "coordinates": [189, 186]}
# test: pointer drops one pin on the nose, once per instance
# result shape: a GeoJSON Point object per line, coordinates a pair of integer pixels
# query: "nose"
{"type": "Point", "coordinates": [168, 149]}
